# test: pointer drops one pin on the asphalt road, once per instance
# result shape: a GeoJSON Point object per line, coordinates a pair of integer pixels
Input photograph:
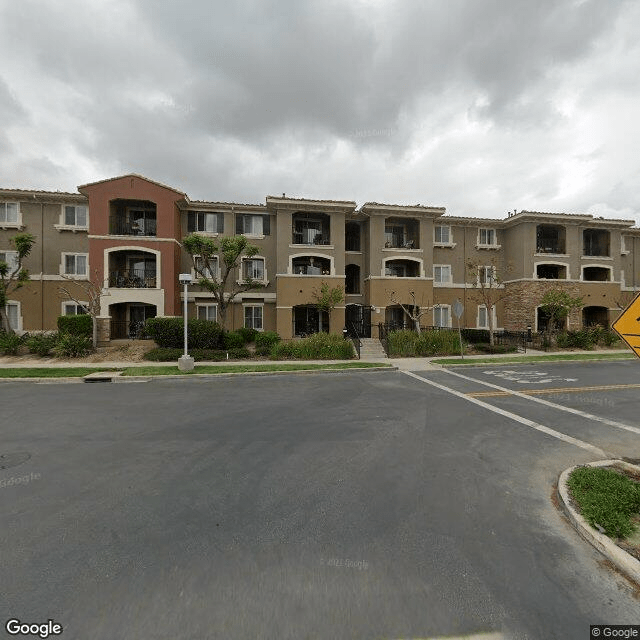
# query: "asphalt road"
{"type": "Point", "coordinates": [355, 505]}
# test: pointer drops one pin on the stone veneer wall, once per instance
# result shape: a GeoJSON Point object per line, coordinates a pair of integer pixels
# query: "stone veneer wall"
{"type": "Point", "coordinates": [524, 297]}
{"type": "Point", "coordinates": [104, 330]}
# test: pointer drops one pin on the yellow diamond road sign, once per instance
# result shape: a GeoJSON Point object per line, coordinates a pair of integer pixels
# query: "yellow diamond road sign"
{"type": "Point", "coordinates": [627, 326]}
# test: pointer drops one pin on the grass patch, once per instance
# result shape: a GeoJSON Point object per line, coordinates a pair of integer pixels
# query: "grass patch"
{"type": "Point", "coordinates": [247, 368]}
{"type": "Point", "coordinates": [607, 498]}
{"type": "Point", "coordinates": [549, 358]}
{"type": "Point", "coordinates": [50, 372]}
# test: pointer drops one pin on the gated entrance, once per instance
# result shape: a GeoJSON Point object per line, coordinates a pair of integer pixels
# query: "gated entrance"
{"type": "Point", "coordinates": [358, 317]}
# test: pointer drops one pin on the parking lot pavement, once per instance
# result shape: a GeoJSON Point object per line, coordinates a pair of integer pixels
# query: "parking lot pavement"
{"type": "Point", "coordinates": [356, 505]}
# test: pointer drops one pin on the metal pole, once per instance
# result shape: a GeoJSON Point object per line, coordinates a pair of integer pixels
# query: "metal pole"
{"type": "Point", "coordinates": [185, 319]}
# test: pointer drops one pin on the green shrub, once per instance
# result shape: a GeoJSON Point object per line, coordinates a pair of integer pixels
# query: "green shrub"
{"type": "Point", "coordinates": [267, 339]}
{"type": "Point", "coordinates": [606, 498]}
{"type": "Point", "coordinates": [203, 334]}
{"type": "Point", "coordinates": [319, 346]}
{"type": "Point", "coordinates": [475, 336]}
{"type": "Point", "coordinates": [435, 342]}
{"type": "Point", "coordinates": [233, 340]}
{"type": "Point", "coordinates": [609, 338]}
{"type": "Point", "coordinates": [42, 343]}
{"type": "Point", "coordinates": [80, 325]}
{"type": "Point", "coordinates": [72, 346]}
{"type": "Point", "coordinates": [9, 343]}
{"type": "Point", "coordinates": [169, 333]}
{"type": "Point", "coordinates": [239, 353]}
{"type": "Point", "coordinates": [248, 334]}
{"type": "Point", "coordinates": [263, 351]}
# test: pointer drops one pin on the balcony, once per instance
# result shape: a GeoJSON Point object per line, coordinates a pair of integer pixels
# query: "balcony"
{"type": "Point", "coordinates": [596, 242]}
{"type": "Point", "coordinates": [311, 266]}
{"type": "Point", "coordinates": [550, 239]}
{"type": "Point", "coordinates": [133, 279]}
{"type": "Point", "coordinates": [400, 233]}
{"type": "Point", "coordinates": [311, 229]}
{"type": "Point", "coordinates": [121, 226]}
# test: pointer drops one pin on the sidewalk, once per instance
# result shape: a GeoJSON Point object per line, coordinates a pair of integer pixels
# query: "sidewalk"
{"type": "Point", "coordinates": [404, 364]}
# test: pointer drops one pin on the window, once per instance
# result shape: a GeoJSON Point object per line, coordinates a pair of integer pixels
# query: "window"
{"type": "Point", "coordinates": [253, 269]}
{"type": "Point", "coordinates": [441, 316]}
{"type": "Point", "coordinates": [595, 242]}
{"type": "Point", "coordinates": [443, 235]}
{"type": "Point", "coordinates": [252, 224]}
{"type": "Point", "coordinates": [205, 222]}
{"type": "Point", "coordinates": [11, 258]}
{"type": "Point", "coordinates": [483, 318]}
{"type": "Point", "coordinates": [486, 275]}
{"type": "Point", "coordinates": [202, 271]}
{"type": "Point", "coordinates": [75, 264]}
{"type": "Point", "coordinates": [253, 317]}
{"type": "Point", "coordinates": [73, 309]}
{"type": "Point", "coordinates": [441, 273]}
{"type": "Point", "coordinates": [12, 309]}
{"type": "Point", "coordinates": [208, 312]}
{"type": "Point", "coordinates": [75, 215]}
{"type": "Point", "coordinates": [9, 212]}
{"type": "Point", "coordinates": [487, 237]}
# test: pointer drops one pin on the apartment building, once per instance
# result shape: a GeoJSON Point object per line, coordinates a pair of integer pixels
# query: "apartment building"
{"type": "Point", "coordinates": [125, 233]}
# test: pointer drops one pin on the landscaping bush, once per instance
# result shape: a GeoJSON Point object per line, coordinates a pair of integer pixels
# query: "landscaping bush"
{"type": "Point", "coordinates": [42, 343]}
{"type": "Point", "coordinates": [169, 333]}
{"type": "Point", "coordinates": [203, 334]}
{"type": "Point", "coordinates": [319, 346]}
{"type": "Point", "coordinates": [9, 343]}
{"type": "Point", "coordinates": [80, 325]}
{"type": "Point", "coordinates": [407, 343]}
{"type": "Point", "coordinates": [233, 340]}
{"type": "Point", "coordinates": [475, 336]}
{"type": "Point", "coordinates": [267, 339]}
{"type": "Point", "coordinates": [248, 334]}
{"type": "Point", "coordinates": [606, 498]}
{"type": "Point", "coordinates": [609, 338]}
{"type": "Point", "coordinates": [72, 346]}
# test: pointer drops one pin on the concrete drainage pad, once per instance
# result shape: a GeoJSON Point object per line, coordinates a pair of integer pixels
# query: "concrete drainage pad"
{"type": "Point", "coordinates": [102, 376]}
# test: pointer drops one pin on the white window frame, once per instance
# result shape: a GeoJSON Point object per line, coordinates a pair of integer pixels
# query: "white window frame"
{"type": "Point", "coordinates": [443, 243]}
{"type": "Point", "coordinates": [73, 303]}
{"type": "Point", "coordinates": [214, 216]}
{"type": "Point", "coordinates": [65, 226]}
{"type": "Point", "coordinates": [485, 245]}
{"type": "Point", "coordinates": [63, 265]}
{"type": "Point", "coordinates": [482, 275]}
{"type": "Point", "coordinates": [483, 307]}
{"type": "Point", "coordinates": [623, 245]}
{"type": "Point", "coordinates": [243, 268]}
{"type": "Point", "coordinates": [18, 305]}
{"type": "Point", "coordinates": [252, 234]}
{"type": "Point", "coordinates": [207, 306]}
{"type": "Point", "coordinates": [12, 261]}
{"type": "Point", "coordinates": [4, 223]}
{"type": "Point", "coordinates": [439, 280]}
{"type": "Point", "coordinates": [440, 307]}
{"type": "Point", "coordinates": [253, 306]}
{"type": "Point", "coordinates": [216, 269]}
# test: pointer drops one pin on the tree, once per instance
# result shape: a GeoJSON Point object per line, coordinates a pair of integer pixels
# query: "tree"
{"type": "Point", "coordinates": [92, 290]}
{"type": "Point", "coordinates": [327, 298]}
{"type": "Point", "coordinates": [13, 277]}
{"type": "Point", "coordinates": [489, 288]}
{"type": "Point", "coordinates": [205, 255]}
{"type": "Point", "coordinates": [414, 312]}
{"type": "Point", "coordinates": [557, 305]}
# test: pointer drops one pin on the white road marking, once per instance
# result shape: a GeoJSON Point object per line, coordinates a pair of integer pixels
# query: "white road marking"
{"type": "Point", "coordinates": [513, 416]}
{"type": "Point", "coordinates": [560, 407]}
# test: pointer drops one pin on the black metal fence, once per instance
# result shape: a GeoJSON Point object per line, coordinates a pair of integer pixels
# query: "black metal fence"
{"type": "Point", "coordinates": [120, 226]}
{"type": "Point", "coordinates": [133, 278]}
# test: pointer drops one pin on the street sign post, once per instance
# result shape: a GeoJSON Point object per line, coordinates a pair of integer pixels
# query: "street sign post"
{"type": "Point", "coordinates": [458, 308]}
{"type": "Point", "coordinates": [627, 326]}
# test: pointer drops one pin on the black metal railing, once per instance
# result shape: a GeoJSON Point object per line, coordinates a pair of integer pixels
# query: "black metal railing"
{"type": "Point", "coordinates": [131, 330]}
{"type": "Point", "coordinates": [133, 279]}
{"type": "Point", "coordinates": [383, 335]}
{"type": "Point", "coordinates": [120, 226]}
{"type": "Point", "coordinates": [352, 332]}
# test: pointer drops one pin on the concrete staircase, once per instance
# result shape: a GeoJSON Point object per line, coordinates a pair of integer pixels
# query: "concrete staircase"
{"type": "Point", "coordinates": [371, 349]}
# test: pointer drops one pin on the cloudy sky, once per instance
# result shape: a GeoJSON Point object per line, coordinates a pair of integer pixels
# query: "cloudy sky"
{"type": "Point", "coordinates": [482, 106]}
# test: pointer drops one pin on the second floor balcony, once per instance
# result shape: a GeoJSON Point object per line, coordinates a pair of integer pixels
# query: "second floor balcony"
{"type": "Point", "coordinates": [133, 270]}
{"type": "Point", "coordinates": [311, 229]}
{"type": "Point", "coordinates": [132, 218]}
{"type": "Point", "coordinates": [401, 233]}
{"type": "Point", "coordinates": [133, 279]}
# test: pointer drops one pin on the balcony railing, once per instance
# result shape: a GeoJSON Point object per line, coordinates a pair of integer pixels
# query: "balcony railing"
{"type": "Point", "coordinates": [133, 279]}
{"type": "Point", "coordinates": [119, 226]}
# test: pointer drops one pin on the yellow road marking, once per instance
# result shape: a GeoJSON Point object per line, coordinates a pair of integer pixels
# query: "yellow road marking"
{"type": "Point", "coordinates": [537, 392]}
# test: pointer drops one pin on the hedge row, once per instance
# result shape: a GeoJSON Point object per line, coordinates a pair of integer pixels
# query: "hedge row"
{"type": "Point", "coordinates": [407, 343]}
{"type": "Point", "coordinates": [164, 354]}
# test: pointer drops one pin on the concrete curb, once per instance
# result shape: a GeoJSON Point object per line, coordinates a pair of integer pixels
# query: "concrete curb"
{"type": "Point", "coordinates": [117, 377]}
{"type": "Point", "coordinates": [625, 562]}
